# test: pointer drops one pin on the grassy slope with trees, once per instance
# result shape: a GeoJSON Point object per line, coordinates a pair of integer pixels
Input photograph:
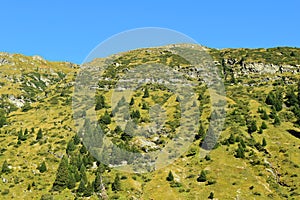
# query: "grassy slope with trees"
{"type": "Point", "coordinates": [257, 155]}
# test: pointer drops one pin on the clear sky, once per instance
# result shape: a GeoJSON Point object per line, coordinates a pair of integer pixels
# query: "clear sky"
{"type": "Point", "coordinates": [67, 30]}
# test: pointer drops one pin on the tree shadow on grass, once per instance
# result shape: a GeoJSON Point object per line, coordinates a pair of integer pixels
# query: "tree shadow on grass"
{"type": "Point", "coordinates": [294, 133]}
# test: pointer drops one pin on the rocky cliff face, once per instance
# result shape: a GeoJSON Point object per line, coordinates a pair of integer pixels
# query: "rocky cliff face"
{"type": "Point", "coordinates": [269, 64]}
{"type": "Point", "coordinates": [243, 68]}
{"type": "Point", "coordinates": [27, 79]}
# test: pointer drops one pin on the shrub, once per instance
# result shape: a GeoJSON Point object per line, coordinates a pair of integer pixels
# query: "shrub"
{"type": "Point", "coordinates": [26, 107]}
{"type": "Point", "coordinates": [5, 192]}
{"type": "Point", "coordinates": [211, 182]}
{"type": "Point", "coordinates": [207, 158]}
{"type": "Point", "coordinates": [175, 184]}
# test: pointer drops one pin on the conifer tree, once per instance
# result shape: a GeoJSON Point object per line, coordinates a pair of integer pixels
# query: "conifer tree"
{"type": "Point", "coordinates": [270, 98]}
{"type": "Point", "coordinates": [88, 190]}
{"type": "Point", "coordinates": [144, 106]}
{"type": "Point", "coordinates": [62, 175]}
{"type": "Point", "coordinates": [201, 132]}
{"type": "Point", "coordinates": [76, 139]}
{"type": "Point", "coordinates": [77, 176]}
{"type": "Point", "coordinates": [252, 126]}
{"type": "Point", "coordinates": [100, 102]}
{"type": "Point", "coordinates": [264, 115]}
{"type": "Point", "coordinates": [28, 187]}
{"type": "Point", "coordinates": [264, 125]}
{"type": "Point", "coordinates": [146, 93]}
{"type": "Point", "coordinates": [21, 136]}
{"type": "Point", "coordinates": [200, 97]}
{"type": "Point", "coordinates": [291, 98]}
{"type": "Point", "coordinates": [2, 118]}
{"type": "Point", "coordinates": [298, 90]}
{"type": "Point", "coordinates": [83, 173]}
{"type": "Point", "coordinates": [264, 142]}
{"type": "Point", "coordinates": [202, 176]}
{"type": "Point", "coordinates": [275, 100]}
{"type": "Point", "coordinates": [211, 195]}
{"type": "Point", "coordinates": [207, 158]}
{"type": "Point", "coordinates": [240, 152]}
{"type": "Point", "coordinates": [81, 188]}
{"type": "Point", "coordinates": [210, 141]}
{"type": "Point", "coordinates": [5, 168]}
{"type": "Point", "coordinates": [83, 150]}
{"type": "Point", "coordinates": [101, 168]}
{"type": "Point", "coordinates": [273, 113]}
{"type": "Point", "coordinates": [98, 183]}
{"type": "Point", "coordinates": [105, 119]}
{"type": "Point", "coordinates": [118, 129]}
{"type": "Point", "coordinates": [135, 114]}
{"type": "Point", "coordinates": [231, 139]}
{"type": "Point", "coordinates": [242, 143]}
{"type": "Point", "coordinates": [276, 121]}
{"type": "Point", "coordinates": [70, 147]}
{"type": "Point", "coordinates": [42, 168]}
{"type": "Point", "coordinates": [170, 176]}
{"type": "Point", "coordinates": [72, 181]}
{"type": "Point", "coordinates": [116, 185]}
{"type": "Point", "coordinates": [131, 101]}
{"type": "Point", "coordinates": [39, 134]}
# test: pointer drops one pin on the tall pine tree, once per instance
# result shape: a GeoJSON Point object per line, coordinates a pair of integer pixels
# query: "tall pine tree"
{"type": "Point", "coordinates": [39, 134]}
{"type": "Point", "coordinates": [72, 181]}
{"type": "Point", "coordinates": [88, 190]}
{"type": "Point", "coordinates": [98, 183]}
{"type": "Point", "coordinates": [116, 185]}
{"type": "Point", "coordinates": [81, 188]}
{"type": "Point", "coordinates": [62, 175]}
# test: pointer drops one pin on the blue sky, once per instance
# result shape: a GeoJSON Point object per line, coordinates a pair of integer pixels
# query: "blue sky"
{"type": "Point", "coordinates": [67, 30]}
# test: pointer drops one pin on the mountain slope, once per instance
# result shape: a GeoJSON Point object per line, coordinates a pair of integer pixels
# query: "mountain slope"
{"type": "Point", "coordinates": [250, 160]}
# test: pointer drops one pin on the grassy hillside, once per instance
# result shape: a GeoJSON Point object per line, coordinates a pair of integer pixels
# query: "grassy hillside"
{"type": "Point", "coordinates": [256, 156]}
